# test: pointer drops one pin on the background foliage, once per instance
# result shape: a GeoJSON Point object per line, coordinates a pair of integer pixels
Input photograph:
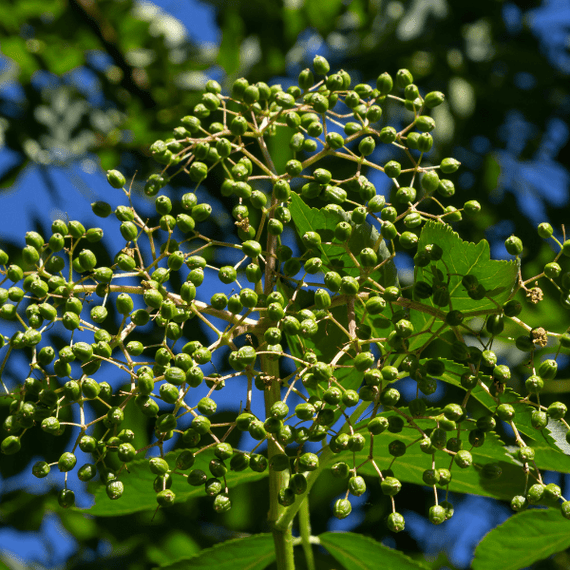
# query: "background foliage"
{"type": "Point", "coordinates": [87, 86]}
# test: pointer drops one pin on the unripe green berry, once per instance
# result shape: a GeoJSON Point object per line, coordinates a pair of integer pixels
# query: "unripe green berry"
{"type": "Point", "coordinates": [395, 522]}
{"type": "Point", "coordinates": [321, 65]}
{"type": "Point", "coordinates": [115, 179]}
{"type": "Point", "coordinates": [514, 245]}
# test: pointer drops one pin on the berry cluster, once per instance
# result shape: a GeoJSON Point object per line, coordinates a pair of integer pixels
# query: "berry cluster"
{"type": "Point", "coordinates": [323, 330]}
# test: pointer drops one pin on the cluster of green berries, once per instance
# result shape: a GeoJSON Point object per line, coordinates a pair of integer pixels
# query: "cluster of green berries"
{"type": "Point", "coordinates": [337, 279]}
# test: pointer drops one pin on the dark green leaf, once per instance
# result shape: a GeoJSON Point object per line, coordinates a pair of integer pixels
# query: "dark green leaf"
{"type": "Point", "coordinates": [357, 552]}
{"type": "Point", "coordinates": [251, 553]}
{"type": "Point", "coordinates": [462, 258]}
{"type": "Point", "coordinates": [523, 539]}
{"type": "Point", "coordinates": [334, 256]}
{"type": "Point", "coordinates": [139, 494]}
{"type": "Point", "coordinates": [411, 466]}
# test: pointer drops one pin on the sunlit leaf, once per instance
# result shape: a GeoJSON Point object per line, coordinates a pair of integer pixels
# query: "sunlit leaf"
{"type": "Point", "coordinates": [523, 539]}
{"type": "Point", "coordinates": [357, 552]}
{"type": "Point", "coordinates": [250, 553]}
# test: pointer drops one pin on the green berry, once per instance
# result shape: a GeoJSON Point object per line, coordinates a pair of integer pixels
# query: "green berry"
{"type": "Point", "coordinates": [165, 498]}
{"type": "Point", "coordinates": [514, 245]}
{"type": "Point", "coordinates": [342, 508]}
{"type": "Point", "coordinates": [437, 514]}
{"type": "Point", "coordinates": [548, 369]}
{"type": "Point", "coordinates": [66, 462]}
{"type": "Point", "coordinates": [321, 65]}
{"type": "Point", "coordinates": [463, 459]}
{"type": "Point", "coordinates": [395, 522]}
{"type": "Point", "coordinates": [66, 498]}
{"type": "Point", "coordinates": [115, 179]}
{"type": "Point", "coordinates": [390, 486]}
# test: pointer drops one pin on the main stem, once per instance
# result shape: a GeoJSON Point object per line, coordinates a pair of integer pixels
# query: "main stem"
{"type": "Point", "coordinates": [282, 535]}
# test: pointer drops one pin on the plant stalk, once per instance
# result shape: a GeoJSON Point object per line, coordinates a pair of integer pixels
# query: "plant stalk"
{"type": "Point", "coordinates": [282, 534]}
{"type": "Point", "coordinates": [305, 532]}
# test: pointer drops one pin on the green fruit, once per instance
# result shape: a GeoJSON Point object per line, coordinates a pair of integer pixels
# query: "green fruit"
{"type": "Point", "coordinates": [477, 437]}
{"type": "Point", "coordinates": [501, 373]}
{"type": "Point", "coordinates": [201, 212]}
{"type": "Point", "coordinates": [115, 179]}
{"type": "Point", "coordinates": [454, 412]}
{"type": "Point", "coordinates": [463, 459]}
{"type": "Point", "coordinates": [125, 304]}
{"type": "Point", "coordinates": [165, 498]}
{"type": "Point", "coordinates": [534, 384]}
{"type": "Point", "coordinates": [222, 503]}
{"type": "Point", "coordinates": [437, 514]}
{"type": "Point", "coordinates": [114, 490]}
{"type": "Point", "coordinates": [557, 410]}
{"type": "Point", "coordinates": [356, 486]}
{"type": "Point", "coordinates": [431, 477]}
{"type": "Point", "coordinates": [384, 83]}
{"type": "Point", "coordinates": [66, 462]}
{"type": "Point", "coordinates": [248, 298]}
{"type": "Point", "coordinates": [514, 245]}
{"type": "Point", "coordinates": [390, 486]}
{"type": "Point", "coordinates": [334, 140]}
{"type": "Point", "coordinates": [366, 146]}
{"type": "Point", "coordinates": [66, 498]}
{"type": "Point", "coordinates": [395, 522]}
{"type": "Point", "coordinates": [322, 299]}
{"type": "Point", "coordinates": [397, 448]}
{"type": "Point", "coordinates": [535, 493]}
{"type": "Point", "coordinates": [342, 508]}
{"type": "Point", "coordinates": [86, 472]}
{"type": "Point", "coordinates": [349, 285]}
{"type": "Point", "coordinates": [321, 65]}
{"type": "Point", "coordinates": [547, 369]}
{"type": "Point", "coordinates": [519, 503]}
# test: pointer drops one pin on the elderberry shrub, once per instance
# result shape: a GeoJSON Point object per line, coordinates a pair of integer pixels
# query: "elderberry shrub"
{"type": "Point", "coordinates": [351, 336]}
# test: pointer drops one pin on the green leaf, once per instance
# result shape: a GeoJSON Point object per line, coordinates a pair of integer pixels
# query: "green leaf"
{"type": "Point", "coordinates": [15, 48]}
{"type": "Point", "coordinates": [461, 258]}
{"type": "Point", "coordinates": [279, 150]}
{"type": "Point", "coordinates": [334, 255]}
{"type": "Point", "coordinates": [250, 553]}
{"type": "Point", "coordinates": [410, 467]}
{"type": "Point", "coordinates": [552, 450]}
{"type": "Point", "coordinates": [357, 552]}
{"type": "Point", "coordinates": [175, 546]}
{"type": "Point", "coordinates": [232, 35]}
{"type": "Point", "coordinates": [523, 539]}
{"type": "Point", "coordinates": [139, 494]}
{"type": "Point", "coordinates": [323, 15]}
{"type": "Point", "coordinates": [61, 58]}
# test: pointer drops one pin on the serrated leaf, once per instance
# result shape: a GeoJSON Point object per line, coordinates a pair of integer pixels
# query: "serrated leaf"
{"type": "Point", "coordinates": [357, 552]}
{"type": "Point", "coordinates": [462, 258]}
{"type": "Point", "coordinates": [523, 539]}
{"type": "Point", "coordinates": [250, 553]}
{"type": "Point", "coordinates": [139, 494]}
{"type": "Point", "coordinates": [334, 256]}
